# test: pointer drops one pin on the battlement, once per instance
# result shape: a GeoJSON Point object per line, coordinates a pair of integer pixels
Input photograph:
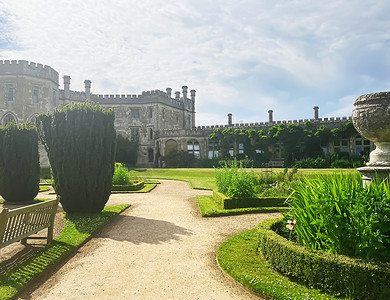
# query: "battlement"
{"type": "Point", "coordinates": [23, 67]}
{"type": "Point", "coordinates": [154, 96]}
{"type": "Point", "coordinates": [333, 122]}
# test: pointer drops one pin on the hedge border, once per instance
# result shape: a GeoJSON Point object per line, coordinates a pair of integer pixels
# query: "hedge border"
{"type": "Point", "coordinates": [134, 187]}
{"type": "Point", "coordinates": [231, 203]}
{"type": "Point", "coordinates": [332, 273]}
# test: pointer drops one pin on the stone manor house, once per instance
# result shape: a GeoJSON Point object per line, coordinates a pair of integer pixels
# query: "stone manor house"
{"type": "Point", "coordinates": [161, 122]}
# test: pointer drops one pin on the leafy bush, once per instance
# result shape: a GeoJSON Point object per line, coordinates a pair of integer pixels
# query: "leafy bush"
{"type": "Point", "coordinates": [236, 182]}
{"type": "Point", "coordinates": [337, 214]}
{"type": "Point", "coordinates": [338, 274]}
{"type": "Point", "coordinates": [121, 175]}
{"type": "Point", "coordinates": [126, 151]}
{"type": "Point", "coordinates": [80, 142]}
{"type": "Point", "coordinates": [19, 162]}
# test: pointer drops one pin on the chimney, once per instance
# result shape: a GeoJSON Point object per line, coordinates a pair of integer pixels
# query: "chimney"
{"type": "Point", "coordinates": [169, 92]}
{"type": "Point", "coordinates": [270, 116]}
{"type": "Point", "coordinates": [193, 92]}
{"type": "Point", "coordinates": [230, 119]}
{"type": "Point", "coordinates": [316, 112]}
{"type": "Point", "coordinates": [66, 86]}
{"type": "Point", "coordinates": [185, 89]}
{"type": "Point", "coordinates": [87, 86]}
{"type": "Point", "coordinates": [177, 95]}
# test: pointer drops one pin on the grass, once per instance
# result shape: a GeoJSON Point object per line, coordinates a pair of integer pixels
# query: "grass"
{"type": "Point", "coordinates": [238, 257]}
{"type": "Point", "coordinates": [77, 230]}
{"type": "Point", "coordinates": [204, 179]}
{"type": "Point", "coordinates": [208, 208]}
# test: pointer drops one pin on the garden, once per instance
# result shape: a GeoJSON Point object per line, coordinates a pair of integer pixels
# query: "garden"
{"type": "Point", "coordinates": [332, 241]}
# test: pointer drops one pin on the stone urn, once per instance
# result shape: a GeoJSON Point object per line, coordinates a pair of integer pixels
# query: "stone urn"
{"type": "Point", "coordinates": [371, 118]}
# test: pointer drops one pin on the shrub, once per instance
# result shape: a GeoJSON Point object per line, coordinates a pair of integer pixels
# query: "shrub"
{"type": "Point", "coordinates": [19, 162]}
{"type": "Point", "coordinates": [337, 214]}
{"type": "Point", "coordinates": [236, 182]}
{"type": "Point", "coordinates": [338, 274]}
{"type": "Point", "coordinates": [126, 151]}
{"type": "Point", "coordinates": [121, 175]}
{"type": "Point", "coordinates": [80, 142]}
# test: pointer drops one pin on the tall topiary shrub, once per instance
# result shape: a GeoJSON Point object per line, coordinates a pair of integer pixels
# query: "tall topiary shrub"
{"type": "Point", "coordinates": [80, 142]}
{"type": "Point", "coordinates": [19, 162]}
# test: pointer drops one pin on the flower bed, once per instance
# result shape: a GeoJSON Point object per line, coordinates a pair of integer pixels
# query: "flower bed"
{"type": "Point", "coordinates": [338, 274]}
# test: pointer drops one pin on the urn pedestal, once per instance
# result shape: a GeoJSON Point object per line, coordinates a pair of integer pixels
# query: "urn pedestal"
{"type": "Point", "coordinates": [371, 118]}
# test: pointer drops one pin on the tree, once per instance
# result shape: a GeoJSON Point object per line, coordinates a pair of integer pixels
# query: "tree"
{"type": "Point", "coordinates": [19, 162]}
{"type": "Point", "coordinates": [80, 142]}
{"type": "Point", "coordinates": [126, 151]}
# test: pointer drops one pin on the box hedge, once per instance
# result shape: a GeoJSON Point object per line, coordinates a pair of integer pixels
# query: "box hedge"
{"type": "Point", "coordinates": [338, 274]}
{"type": "Point", "coordinates": [133, 187]}
{"type": "Point", "coordinates": [231, 203]}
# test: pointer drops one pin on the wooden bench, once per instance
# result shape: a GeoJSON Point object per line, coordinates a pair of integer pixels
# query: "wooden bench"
{"type": "Point", "coordinates": [18, 224]}
{"type": "Point", "coordinates": [275, 164]}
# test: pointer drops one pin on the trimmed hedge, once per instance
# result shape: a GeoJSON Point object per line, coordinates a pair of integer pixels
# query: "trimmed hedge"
{"type": "Point", "coordinates": [232, 203]}
{"type": "Point", "coordinates": [134, 187]}
{"type": "Point", "coordinates": [337, 274]}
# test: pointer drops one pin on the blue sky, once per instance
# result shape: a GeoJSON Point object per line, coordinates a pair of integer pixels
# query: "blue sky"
{"type": "Point", "coordinates": [242, 57]}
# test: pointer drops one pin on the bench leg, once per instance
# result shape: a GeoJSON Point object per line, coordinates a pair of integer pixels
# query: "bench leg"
{"type": "Point", "coordinates": [24, 241]}
{"type": "Point", "coordinates": [50, 234]}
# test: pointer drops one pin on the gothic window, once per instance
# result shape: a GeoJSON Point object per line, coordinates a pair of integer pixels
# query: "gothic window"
{"type": "Point", "coordinates": [213, 149]}
{"type": "Point", "coordinates": [193, 148]}
{"type": "Point", "coordinates": [35, 98]}
{"type": "Point", "coordinates": [11, 93]}
{"type": "Point", "coordinates": [150, 133]}
{"type": "Point", "coordinates": [150, 112]}
{"type": "Point", "coordinates": [9, 118]}
{"type": "Point", "coordinates": [134, 135]}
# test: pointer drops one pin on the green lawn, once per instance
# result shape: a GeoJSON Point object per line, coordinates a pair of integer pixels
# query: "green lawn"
{"type": "Point", "coordinates": [204, 179]}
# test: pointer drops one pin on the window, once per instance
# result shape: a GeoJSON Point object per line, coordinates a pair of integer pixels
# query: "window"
{"type": "Point", "coordinates": [341, 145]}
{"type": "Point", "coordinates": [213, 149]}
{"type": "Point", "coordinates": [150, 112]}
{"type": "Point", "coordinates": [361, 144]}
{"type": "Point", "coordinates": [135, 114]}
{"type": "Point", "coordinates": [150, 155]}
{"type": "Point", "coordinates": [240, 148]}
{"type": "Point", "coordinates": [11, 93]}
{"type": "Point", "coordinates": [134, 134]}
{"type": "Point", "coordinates": [150, 133]}
{"type": "Point", "coordinates": [9, 118]}
{"type": "Point", "coordinates": [35, 95]}
{"type": "Point", "coordinates": [193, 148]}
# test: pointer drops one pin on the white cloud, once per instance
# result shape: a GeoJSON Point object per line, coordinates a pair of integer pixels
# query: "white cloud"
{"type": "Point", "coordinates": [242, 57]}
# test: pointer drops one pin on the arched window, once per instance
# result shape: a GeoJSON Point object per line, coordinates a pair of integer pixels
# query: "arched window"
{"type": "Point", "coordinates": [9, 118]}
{"type": "Point", "coordinates": [193, 148]}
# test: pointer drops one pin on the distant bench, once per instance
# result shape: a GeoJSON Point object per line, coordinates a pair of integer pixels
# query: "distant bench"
{"type": "Point", "coordinates": [274, 164]}
{"type": "Point", "coordinates": [18, 224]}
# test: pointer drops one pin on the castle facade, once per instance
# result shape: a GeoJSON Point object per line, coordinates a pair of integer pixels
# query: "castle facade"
{"type": "Point", "coordinates": [160, 121]}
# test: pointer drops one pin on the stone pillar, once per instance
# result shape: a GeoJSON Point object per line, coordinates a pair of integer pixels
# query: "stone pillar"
{"type": "Point", "coordinates": [87, 85]}
{"type": "Point", "coordinates": [371, 118]}
{"type": "Point", "coordinates": [230, 119]}
{"type": "Point", "coordinates": [185, 89]}
{"type": "Point", "coordinates": [316, 108]}
{"type": "Point", "coordinates": [169, 92]}
{"type": "Point", "coordinates": [270, 116]}
{"type": "Point", "coordinates": [177, 95]}
{"type": "Point", "coordinates": [66, 86]}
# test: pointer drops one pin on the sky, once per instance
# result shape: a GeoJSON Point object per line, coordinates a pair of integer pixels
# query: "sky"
{"type": "Point", "coordinates": [242, 57]}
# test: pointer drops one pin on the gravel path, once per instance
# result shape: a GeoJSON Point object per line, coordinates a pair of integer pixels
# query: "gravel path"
{"type": "Point", "coordinates": [160, 248]}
